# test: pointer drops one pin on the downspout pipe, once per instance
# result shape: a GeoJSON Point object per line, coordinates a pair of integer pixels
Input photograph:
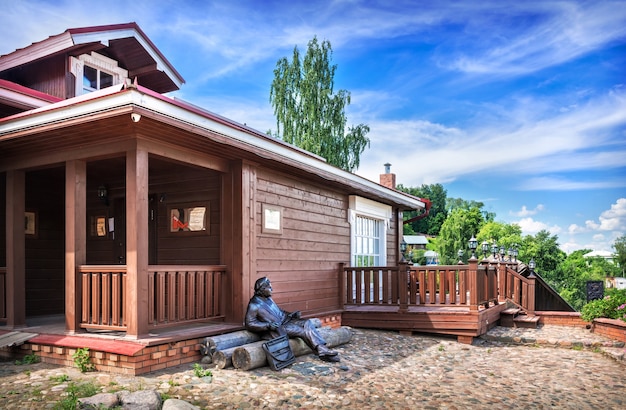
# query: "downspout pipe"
{"type": "Point", "coordinates": [423, 215]}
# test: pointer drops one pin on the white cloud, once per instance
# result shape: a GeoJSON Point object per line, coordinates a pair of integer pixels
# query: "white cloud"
{"type": "Point", "coordinates": [530, 226]}
{"type": "Point", "coordinates": [599, 234]}
{"type": "Point", "coordinates": [538, 147]}
{"type": "Point", "coordinates": [528, 212]}
{"type": "Point", "coordinates": [613, 219]}
{"type": "Point", "coordinates": [565, 30]}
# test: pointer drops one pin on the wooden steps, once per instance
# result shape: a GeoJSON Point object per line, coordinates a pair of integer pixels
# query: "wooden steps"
{"type": "Point", "coordinates": [515, 317]}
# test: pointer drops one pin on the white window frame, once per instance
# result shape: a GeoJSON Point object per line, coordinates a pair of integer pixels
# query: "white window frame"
{"type": "Point", "coordinates": [360, 207]}
{"type": "Point", "coordinates": [98, 62]}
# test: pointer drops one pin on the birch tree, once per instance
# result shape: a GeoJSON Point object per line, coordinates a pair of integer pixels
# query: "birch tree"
{"type": "Point", "coordinates": [309, 113]}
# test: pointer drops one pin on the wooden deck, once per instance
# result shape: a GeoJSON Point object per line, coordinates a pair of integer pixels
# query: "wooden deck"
{"type": "Point", "coordinates": [460, 300]}
{"type": "Point", "coordinates": [458, 321]}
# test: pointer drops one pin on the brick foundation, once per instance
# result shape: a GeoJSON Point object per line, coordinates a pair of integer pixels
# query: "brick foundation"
{"type": "Point", "coordinates": [571, 319]}
{"type": "Point", "coordinates": [331, 320]}
{"type": "Point", "coordinates": [147, 359]}
{"type": "Point", "coordinates": [611, 328]}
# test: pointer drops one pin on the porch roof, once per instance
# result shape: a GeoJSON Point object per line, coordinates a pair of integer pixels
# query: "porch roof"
{"type": "Point", "coordinates": [175, 122]}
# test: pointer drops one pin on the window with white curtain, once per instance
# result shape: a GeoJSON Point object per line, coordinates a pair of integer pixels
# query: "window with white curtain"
{"type": "Point", "coordinates": [369, 221]}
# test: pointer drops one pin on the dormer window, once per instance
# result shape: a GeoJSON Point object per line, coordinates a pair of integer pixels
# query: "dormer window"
{"type": "Point", "coordinates": [95, 72]}
{"type": "Point", "coordinates": [94, 79]}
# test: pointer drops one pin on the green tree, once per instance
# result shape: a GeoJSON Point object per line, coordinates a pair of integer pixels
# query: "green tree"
{"type": "Point", "coordinates": [460, 203]}
{"type": "Point", "coordinates": [309, 113]}
{"type": "Point", "coordinates": [456, 232]}
{"type": "Point", "coordinates": [571, 276]}
{"type": "Point", "coordinates": [620, 253]}
{"type": "Point", "coordinates": [503, 234]}
{"type": "Point", "coordinates": [544, 249]}
{"type": "Point", "coordinates": [430, 225]}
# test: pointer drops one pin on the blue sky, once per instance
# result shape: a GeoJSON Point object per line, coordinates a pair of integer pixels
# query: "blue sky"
{"type": "Point", "coordinates": [518, 104]}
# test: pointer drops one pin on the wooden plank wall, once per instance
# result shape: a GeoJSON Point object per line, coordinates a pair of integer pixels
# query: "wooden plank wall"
{"type": "Point", "coordinates": [50, 81]}
{"type": "Point", "coordinates": [302, 261]}
{"type": "Point", "coordinates": [186, 186]}
{"type": "Point", "coordinates": [45, 252]}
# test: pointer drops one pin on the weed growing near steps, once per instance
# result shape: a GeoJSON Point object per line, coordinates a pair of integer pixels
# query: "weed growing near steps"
{"type": "Point", "coordinates": [82, 360]}
{"type": "Point", "coordinates": [60, 378]}
{"type": "Point", "coordinates": [75, 392]}
{"type": "Point", "coordinates": [28, 359]}
{"type": "Point", "coordinates": [200, 372]}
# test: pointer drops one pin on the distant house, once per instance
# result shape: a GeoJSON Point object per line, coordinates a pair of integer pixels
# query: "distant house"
{"type": "Point", "coordinates": [608, 256]}
{"type": "Point", "coordinates": [615, 282]}
{"type": "Point", "coordinates": [415, 242]}
{"type": "Point", "coordinates": [127, 210]}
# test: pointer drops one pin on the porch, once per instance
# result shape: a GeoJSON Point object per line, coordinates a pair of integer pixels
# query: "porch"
{"type": "Point", "coordinates": [185, 306]}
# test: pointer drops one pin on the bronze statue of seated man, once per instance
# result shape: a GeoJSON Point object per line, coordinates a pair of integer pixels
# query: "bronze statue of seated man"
{"type": "Point", "coordinates": [266, 318]}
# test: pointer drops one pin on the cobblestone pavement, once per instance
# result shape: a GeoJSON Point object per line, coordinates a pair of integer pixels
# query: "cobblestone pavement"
{"type": "Point", "coordinates": [550, 367]}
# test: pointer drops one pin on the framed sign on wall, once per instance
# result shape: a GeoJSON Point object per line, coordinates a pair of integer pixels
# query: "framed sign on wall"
{"type": "Point", "coordinates": [188, 218]}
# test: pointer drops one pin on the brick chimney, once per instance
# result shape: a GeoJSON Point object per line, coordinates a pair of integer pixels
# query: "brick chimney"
{"type": "Point", "coordinates": [388, 179]}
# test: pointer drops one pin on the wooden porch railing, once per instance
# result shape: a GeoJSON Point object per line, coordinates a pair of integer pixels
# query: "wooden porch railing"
{"type": "Point", "coordinates": [471, 285]}
{"type": "Point", "coordinates": [184, 293]}
{"type": "Point", "coordinates": [176, 294]}
{"type": "Point", "coordinates": [103, 297]}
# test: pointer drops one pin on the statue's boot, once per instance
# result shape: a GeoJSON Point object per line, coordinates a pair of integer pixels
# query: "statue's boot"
{"type": "Point", "coordinates": [326, 354]}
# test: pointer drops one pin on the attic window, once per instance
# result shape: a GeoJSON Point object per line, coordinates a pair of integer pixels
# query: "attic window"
{"type": "Point", "coordinates": [94, 79]}
{"type": "Point", "coordinates": [95, 72]}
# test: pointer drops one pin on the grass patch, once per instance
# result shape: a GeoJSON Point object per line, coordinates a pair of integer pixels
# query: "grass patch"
{"type": "Point", "coordinates": [28, 359]}
{"type": "Point", "coordinates": [73, 393]}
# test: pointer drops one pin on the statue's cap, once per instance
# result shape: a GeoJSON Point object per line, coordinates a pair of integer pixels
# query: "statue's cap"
{"type": "Point", "coordinates": [261, 283]}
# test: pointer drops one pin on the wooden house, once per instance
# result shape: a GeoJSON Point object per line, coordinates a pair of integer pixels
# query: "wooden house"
{"type": "Point", "coordinates": [127, 212]}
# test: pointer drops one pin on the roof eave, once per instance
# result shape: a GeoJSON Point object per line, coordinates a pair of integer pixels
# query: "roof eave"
{"type": "Point", "coordinates": [104, 34]}
{"type": "Point", "coordinates": [114, 98]}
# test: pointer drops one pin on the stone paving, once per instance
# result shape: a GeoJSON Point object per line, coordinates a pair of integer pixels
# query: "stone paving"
{"type": "Point", "coordinates": [549, 367]}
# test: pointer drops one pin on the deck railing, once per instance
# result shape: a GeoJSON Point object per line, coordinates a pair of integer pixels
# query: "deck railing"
{"type": "Point", "coordinates": [473, 285]}
{"type": "Point", "coordinates": [518, 288]}
{"type": "Point", "coordinates": [176, 294]}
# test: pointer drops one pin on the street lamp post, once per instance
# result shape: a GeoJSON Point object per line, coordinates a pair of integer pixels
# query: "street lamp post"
{"type": "Point", "coordinates": [531, 266]}
{"type": "Point", "coordinates": [473, 244]}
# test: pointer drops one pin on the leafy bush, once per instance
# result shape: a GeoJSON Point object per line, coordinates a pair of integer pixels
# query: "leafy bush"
{"type": "Point", "coordinates": [612, 306]}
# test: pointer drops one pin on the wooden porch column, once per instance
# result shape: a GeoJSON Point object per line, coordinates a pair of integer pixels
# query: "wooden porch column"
{"type": "Point", "coordinates": [137, 242]}
{"type": "Point", "coordinates": [75, 240]}
{"type": "Point", "coordinates": [472, 282]}
{"type": "Point", "coordinates": [15, 248]}
{"type": "Point", "coordinates": [239, 237]}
